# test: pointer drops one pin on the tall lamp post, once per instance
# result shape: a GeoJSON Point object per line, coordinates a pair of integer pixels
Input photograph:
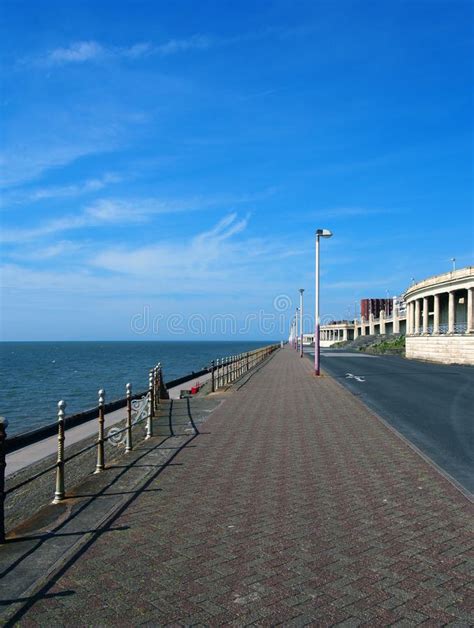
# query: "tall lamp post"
{"type": "Point", "coordinates": [320, 233]}
{"type": "Point", "coordinates": [301, 322]}
{"type": "Point", "coordinates": [296, 330]}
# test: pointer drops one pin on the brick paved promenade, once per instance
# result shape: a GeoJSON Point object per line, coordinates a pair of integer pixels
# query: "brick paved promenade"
{"type": "Point", "coordinates": [293, 505]}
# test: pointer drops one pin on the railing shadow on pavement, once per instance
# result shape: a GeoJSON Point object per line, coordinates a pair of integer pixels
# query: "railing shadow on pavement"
{"type": "Point", "coordinates": [95, 533]}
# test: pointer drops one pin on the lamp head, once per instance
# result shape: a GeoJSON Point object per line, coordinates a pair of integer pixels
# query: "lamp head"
{"type": "Point", "coordinates": [301, 290]}
{"type": "Point", "coordinates": [323, 233]}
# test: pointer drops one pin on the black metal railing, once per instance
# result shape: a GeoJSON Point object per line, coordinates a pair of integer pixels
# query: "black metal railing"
{"type": "Point", "coordinates": [139, 408]}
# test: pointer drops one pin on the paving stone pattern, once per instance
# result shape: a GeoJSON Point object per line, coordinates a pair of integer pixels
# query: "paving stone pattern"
{"type": "Point", "coordinates": [295, 505]}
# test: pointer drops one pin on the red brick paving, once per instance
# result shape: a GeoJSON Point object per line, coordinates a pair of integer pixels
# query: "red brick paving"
{"type": "Point", "coordinates": [295, 506]}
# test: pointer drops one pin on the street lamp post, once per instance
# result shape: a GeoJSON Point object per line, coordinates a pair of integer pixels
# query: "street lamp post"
{"type": "Point", "coordinates": [301, 322]}
{"type": "Point", "coordinates": [296, 330]}
{"type": "Point", "coordinates": [320, 233]}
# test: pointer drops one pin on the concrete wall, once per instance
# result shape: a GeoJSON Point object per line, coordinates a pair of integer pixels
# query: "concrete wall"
{"type": "Point", "coordinates": [450, 349]}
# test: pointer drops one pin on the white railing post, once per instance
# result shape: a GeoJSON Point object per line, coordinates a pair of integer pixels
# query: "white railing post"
{"type": "Point", "coordinates": [60, 492]}
{"type": "Point", "coordinates": [128, 441]}
{"type": "Point", "coordinates": [149, 424]}
{"type": "Point", "coordinates": [100, 466]}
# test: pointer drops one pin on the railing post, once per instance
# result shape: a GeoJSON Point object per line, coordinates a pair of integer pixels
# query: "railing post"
{"type": "Point", "coordinates": [155, 381]}
{"type": "Point", "coordinates": [156, 385]}
{"type": "Point", "coordinates": [3, 464]}
{"type": "Point", "coordinates": [149, 423]}
{"type": "Point", "coordinates": [59, 493]}
{"type": "Point", "coordinates": [100, 466]}
{"type": "Point", "coordinates": [128, 433]}
{"type": "Point", "coordinates": [213, 383]}
{"type": "Point", "coordinates": [158, 397]}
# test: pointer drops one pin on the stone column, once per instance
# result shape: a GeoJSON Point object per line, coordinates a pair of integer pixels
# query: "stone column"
{"type": "Point", "coordinates": [470, 310]}
{"type": "Point", "coordinates": [344, 334]}
{"type": "Point", "coordinates": [362, 326]}
{"type": "Point", "coordinates": [417, 317]}
{"type": "Point", "coordinates": [451, 312]}
{"type": "Point", "coordinates": [436, 314]}
{"type": "Point", "coordinates": [371, 324]}
{"type": "Point", "coordinates": [356, 329]}
{"type": "Point", "coordinates": [396, 321]}
{"type": "Point", "coordinates": [425, 315]}
{"type": "Point", "coordinates": [382, 321]}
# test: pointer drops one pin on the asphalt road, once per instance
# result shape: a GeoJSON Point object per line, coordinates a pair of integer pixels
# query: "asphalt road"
{"type": "Point", "coordinates": [432, 405]}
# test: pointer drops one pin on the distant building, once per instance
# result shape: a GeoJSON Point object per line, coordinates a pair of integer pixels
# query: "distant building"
{"type": "Point", "coordinates": [375, 306]}
{"type": "Point", "coordinates": [399, 303]}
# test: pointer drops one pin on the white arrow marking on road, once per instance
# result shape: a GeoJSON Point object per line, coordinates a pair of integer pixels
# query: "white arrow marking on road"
{"type": "Point", "coordinates": [359, 378]}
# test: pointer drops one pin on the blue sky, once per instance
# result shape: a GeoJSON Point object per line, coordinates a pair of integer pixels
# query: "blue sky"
{"type": "Point", "coordinates": [170, 161]}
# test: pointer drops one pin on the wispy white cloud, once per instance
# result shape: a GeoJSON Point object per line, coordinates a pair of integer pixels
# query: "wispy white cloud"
{"type": "Point", "coordinates": [77, 52]}
{"type": "Point", "coordinates": [62, 248]}
{"type": "Point", "coordinates": [83, 51]}
{"type": "Point", "coordinates": [88, 186]}
{"type": "Point", "coordinates": [107, 211]}
{"type": "Point", "coordinates": [223, 258]}
{"type": "Point", "coordinates": [214, 261]}
{"type": "Point", "coordinates": [101, 212]}
{"type": "Point", "coordinates": [175, 259]}
{"type": "Point", "coordinates": [173, 46]}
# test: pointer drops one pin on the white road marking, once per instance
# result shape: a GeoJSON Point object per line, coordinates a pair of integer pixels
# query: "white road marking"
{"type": "Point", "coordinates": [359, 378]}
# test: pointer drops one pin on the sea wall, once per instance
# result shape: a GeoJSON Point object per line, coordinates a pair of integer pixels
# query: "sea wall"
{"type": "Point", "coordinates": [452, 349]}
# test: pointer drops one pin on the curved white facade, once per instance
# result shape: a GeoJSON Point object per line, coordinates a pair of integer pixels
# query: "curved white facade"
{"type": "Point", "coordinates": [440, 318]}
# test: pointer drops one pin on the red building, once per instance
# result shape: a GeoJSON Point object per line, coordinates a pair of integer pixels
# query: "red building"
{"type": "Point", "coordinates": [374, 306]}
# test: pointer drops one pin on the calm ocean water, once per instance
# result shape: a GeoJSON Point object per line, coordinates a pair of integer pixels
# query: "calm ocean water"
{"type": "Point", "coordinates": [36, 375]}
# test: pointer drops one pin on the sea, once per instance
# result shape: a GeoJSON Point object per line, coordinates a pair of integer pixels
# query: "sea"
{"type": "Point", "coordinates": [34, 376]}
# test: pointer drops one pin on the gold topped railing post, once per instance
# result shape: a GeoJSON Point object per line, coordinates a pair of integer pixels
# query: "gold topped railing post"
{"type": "Point", "coordinates": [159, 382]}
{"type": "Point", "coordinates": [128, 433]}
{"type": "Point", "coordinates": [149, 423]}
{"type": "Point", "coordinates": [100, 466]}
{"type": "Point", "coordinates": [59, 493]}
